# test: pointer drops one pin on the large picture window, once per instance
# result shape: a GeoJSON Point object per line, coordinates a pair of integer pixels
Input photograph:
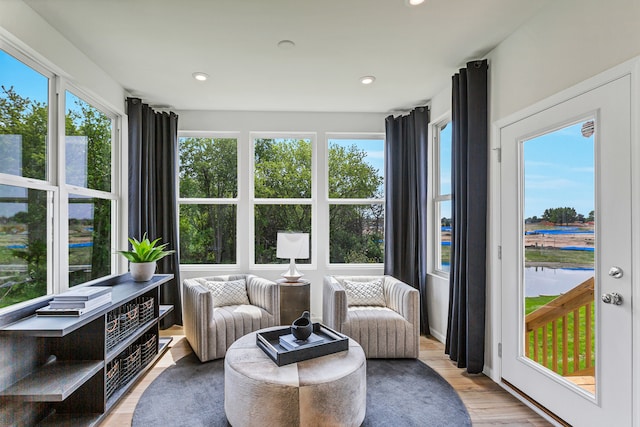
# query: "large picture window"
{"type": "Point", "coordinates": [208, 199]}
{"type": "Point", "coordinates": [356, 200]}
{"type": "Point", "coordinates": [58, 201]}
{"type": "Point", "coordinates": [282, 187]}
{"type": "Point", "coordinates": [277, 194]}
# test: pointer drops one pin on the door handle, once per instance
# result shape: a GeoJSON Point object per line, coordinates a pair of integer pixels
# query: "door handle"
{"type": "Point", "coordinates": [612, 298]}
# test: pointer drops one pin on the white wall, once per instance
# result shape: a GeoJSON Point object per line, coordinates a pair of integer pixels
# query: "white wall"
{"type": "Point", "coordinates": [316, 123]}
{"type": "Point", "coordinates": [566, 43]}
{"type": "Point", "coordinates": [28, 32]}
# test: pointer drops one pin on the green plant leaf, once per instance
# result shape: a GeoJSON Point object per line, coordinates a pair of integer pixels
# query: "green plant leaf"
{"type": "Point", "coordinates": [145, 250]}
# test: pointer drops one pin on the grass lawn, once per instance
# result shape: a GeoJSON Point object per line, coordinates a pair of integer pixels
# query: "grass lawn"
{"type": "Point", "coordinates": [568, 258]}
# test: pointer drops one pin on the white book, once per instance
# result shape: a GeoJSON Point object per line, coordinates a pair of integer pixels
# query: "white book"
{"type": "Point", "coordinates": [84, 293]}
{"type": "Point", "coordinates": [95, 302]}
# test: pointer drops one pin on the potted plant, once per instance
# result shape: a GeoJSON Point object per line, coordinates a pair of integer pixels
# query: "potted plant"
{"type": "Point", "coordinates": [143, 256]}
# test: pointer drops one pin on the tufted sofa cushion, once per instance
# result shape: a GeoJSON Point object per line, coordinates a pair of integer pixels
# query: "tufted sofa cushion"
{"type": "Point", "coordinates": [232, 292]}
{"type": "Point", "coordinates": [364, 293]}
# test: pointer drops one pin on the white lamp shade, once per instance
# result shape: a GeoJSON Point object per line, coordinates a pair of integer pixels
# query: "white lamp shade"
{"type": "Point", "coordinates": [293, 245]}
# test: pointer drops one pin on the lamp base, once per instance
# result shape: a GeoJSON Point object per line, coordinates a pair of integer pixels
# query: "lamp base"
{"type": "Point", "coordinates": [292, 274]}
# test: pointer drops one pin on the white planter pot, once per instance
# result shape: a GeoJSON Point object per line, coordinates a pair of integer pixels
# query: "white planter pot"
{"type": "Point", "coordinates": [142, 271]}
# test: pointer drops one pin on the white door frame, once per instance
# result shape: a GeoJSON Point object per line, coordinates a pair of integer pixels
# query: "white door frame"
{"type": "Point", "coordinates": [494, 300]}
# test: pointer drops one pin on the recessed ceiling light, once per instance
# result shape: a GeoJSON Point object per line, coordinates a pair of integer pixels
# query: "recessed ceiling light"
{"type": "Point", "coordinates": [286, 44]}
{"type": "Point", "coordinates": [200, 76]}
{"type": "Point", "coordinates": [367, 80]}
{"type": "Point", "coordinates": [414, 2]}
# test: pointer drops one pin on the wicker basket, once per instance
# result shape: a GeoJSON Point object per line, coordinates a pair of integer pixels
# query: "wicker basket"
{"type": "Point", "coordinates": [113, 377]}
{"type": "Point", "coordinates": [128, 319]}
{"type": "Point", "coordinates": [129, 363]}
{"type": "Point", "coordinates": [145, 307]}
{"type": "Point", "coordinates": [112, 330]}
{"type": "Point", "coordinates": [148, 349]}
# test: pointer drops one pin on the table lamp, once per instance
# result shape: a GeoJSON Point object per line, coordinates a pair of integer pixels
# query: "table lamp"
{"type": "Point", "coordinates": [292, 246]}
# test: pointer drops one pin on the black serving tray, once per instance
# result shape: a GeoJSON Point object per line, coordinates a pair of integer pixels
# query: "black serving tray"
{"type": "Point", "coordinates": [269, 342]}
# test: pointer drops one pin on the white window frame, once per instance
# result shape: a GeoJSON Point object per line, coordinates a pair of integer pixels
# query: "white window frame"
{"type": "Point", "coordinates": [66, 189]}
{"type": "Point", "coordinates": [217, 201]}
{"type": "Point", "coordinates": [436, 127]}
{"type": "Point", "coordinates": [312, 201]}
{"type": "Point", "coordinates": [333, 201]}
{"type": "Point", "coordinates": [55, 177]}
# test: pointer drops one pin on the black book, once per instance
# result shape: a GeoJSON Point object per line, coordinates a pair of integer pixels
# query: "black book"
{"type": "Point", "coordinates": [48, 311]}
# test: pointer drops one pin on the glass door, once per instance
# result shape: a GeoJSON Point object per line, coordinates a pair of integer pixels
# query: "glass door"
{"type": "Point", "coordinates": [559, 246]}
{"type": "Point", "coordinates": [566, 256]}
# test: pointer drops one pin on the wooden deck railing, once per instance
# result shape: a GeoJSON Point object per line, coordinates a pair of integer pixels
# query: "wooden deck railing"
{"type": "Point", "coordinates": [567, 349]}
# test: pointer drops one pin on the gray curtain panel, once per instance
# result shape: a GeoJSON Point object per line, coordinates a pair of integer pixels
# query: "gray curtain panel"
{"type": "Point", "coordinates": [467, 281]}
{"type": "Point", "coordinates": [406, 168]}
{"type": "Point", "coordinates": [153, 168]}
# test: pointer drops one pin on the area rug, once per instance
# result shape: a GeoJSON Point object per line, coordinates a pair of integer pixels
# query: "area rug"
{"type": "Point", "coordinates": [400, 392]}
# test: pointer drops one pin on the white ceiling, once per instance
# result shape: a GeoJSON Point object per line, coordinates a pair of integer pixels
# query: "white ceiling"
{"type": "Point", "coordinates": [151, 47]}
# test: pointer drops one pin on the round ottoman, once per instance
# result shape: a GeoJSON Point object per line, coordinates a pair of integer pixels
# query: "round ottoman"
{"type": "Point", "coordinates": [325, 391]}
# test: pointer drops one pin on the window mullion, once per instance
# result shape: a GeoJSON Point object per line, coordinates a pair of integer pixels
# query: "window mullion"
{"type": "Point", "coordinates": [61, 230]}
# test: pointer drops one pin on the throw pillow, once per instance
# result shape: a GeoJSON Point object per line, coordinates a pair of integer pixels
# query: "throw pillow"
{"type": "Point", "coordinates": [233, 292]}
{"type": "Point", "coordinates": [364, 293]}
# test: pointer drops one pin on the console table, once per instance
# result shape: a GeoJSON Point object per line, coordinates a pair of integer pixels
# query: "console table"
{"type": "Point", "coordinates": [83, 369]}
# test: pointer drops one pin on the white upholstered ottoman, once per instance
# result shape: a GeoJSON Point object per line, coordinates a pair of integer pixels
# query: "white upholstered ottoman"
{"type": "Point", "coordinates": [325, 391]}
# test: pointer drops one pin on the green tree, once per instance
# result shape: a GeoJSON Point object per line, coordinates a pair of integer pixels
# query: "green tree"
{"type": "Point", "coordinates": [28, 120]}
{"type": "Point", "coordinates": [282, 170]}
{"type": "Point", "coordinates": [356, 231]}
{"type": "Point", "coordinates": [564, 215]}
{"type": "Point", "coordinates": [208, 169]}
{"type": "Point", "coordinates": [82, 119]}
{"type": "Point", "coordinates": [350, 176]}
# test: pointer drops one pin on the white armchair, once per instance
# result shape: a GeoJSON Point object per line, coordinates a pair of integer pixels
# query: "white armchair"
{"type": "Point", "coordinates": [211, 329]}
{"type": "Point", "coordinates": [385, 322]}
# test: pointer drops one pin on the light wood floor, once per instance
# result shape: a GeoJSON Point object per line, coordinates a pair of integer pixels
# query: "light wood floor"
{"type": "Point", "coordinates": [488, 404]}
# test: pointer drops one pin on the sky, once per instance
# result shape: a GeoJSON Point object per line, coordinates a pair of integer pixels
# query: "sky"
{"type": "Point", "coordinates": [559, 171]}
{"type": "Point", "coordinates": [29, 83]}
{"type": "Point", "coordinates": [24, 79]}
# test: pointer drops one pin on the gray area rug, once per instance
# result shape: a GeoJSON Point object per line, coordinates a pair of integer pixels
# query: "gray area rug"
{"type": "Point", "coordinates": [400, 392]}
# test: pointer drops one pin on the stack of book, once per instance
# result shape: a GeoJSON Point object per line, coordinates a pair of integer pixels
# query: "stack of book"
{"type": "Point", "coordinates": [289, 342]}
{"type": "Point", "coordinates": [77, 302]}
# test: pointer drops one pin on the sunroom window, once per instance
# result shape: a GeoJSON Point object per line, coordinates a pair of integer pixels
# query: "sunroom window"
{"type": "Point", "coordinates": [356, 200]}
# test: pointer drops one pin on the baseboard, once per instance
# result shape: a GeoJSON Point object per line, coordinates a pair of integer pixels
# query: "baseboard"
{"type": "Point", "coordinates": [489, 373]}
{"type": "Point", "coordinates": [437, 335]}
